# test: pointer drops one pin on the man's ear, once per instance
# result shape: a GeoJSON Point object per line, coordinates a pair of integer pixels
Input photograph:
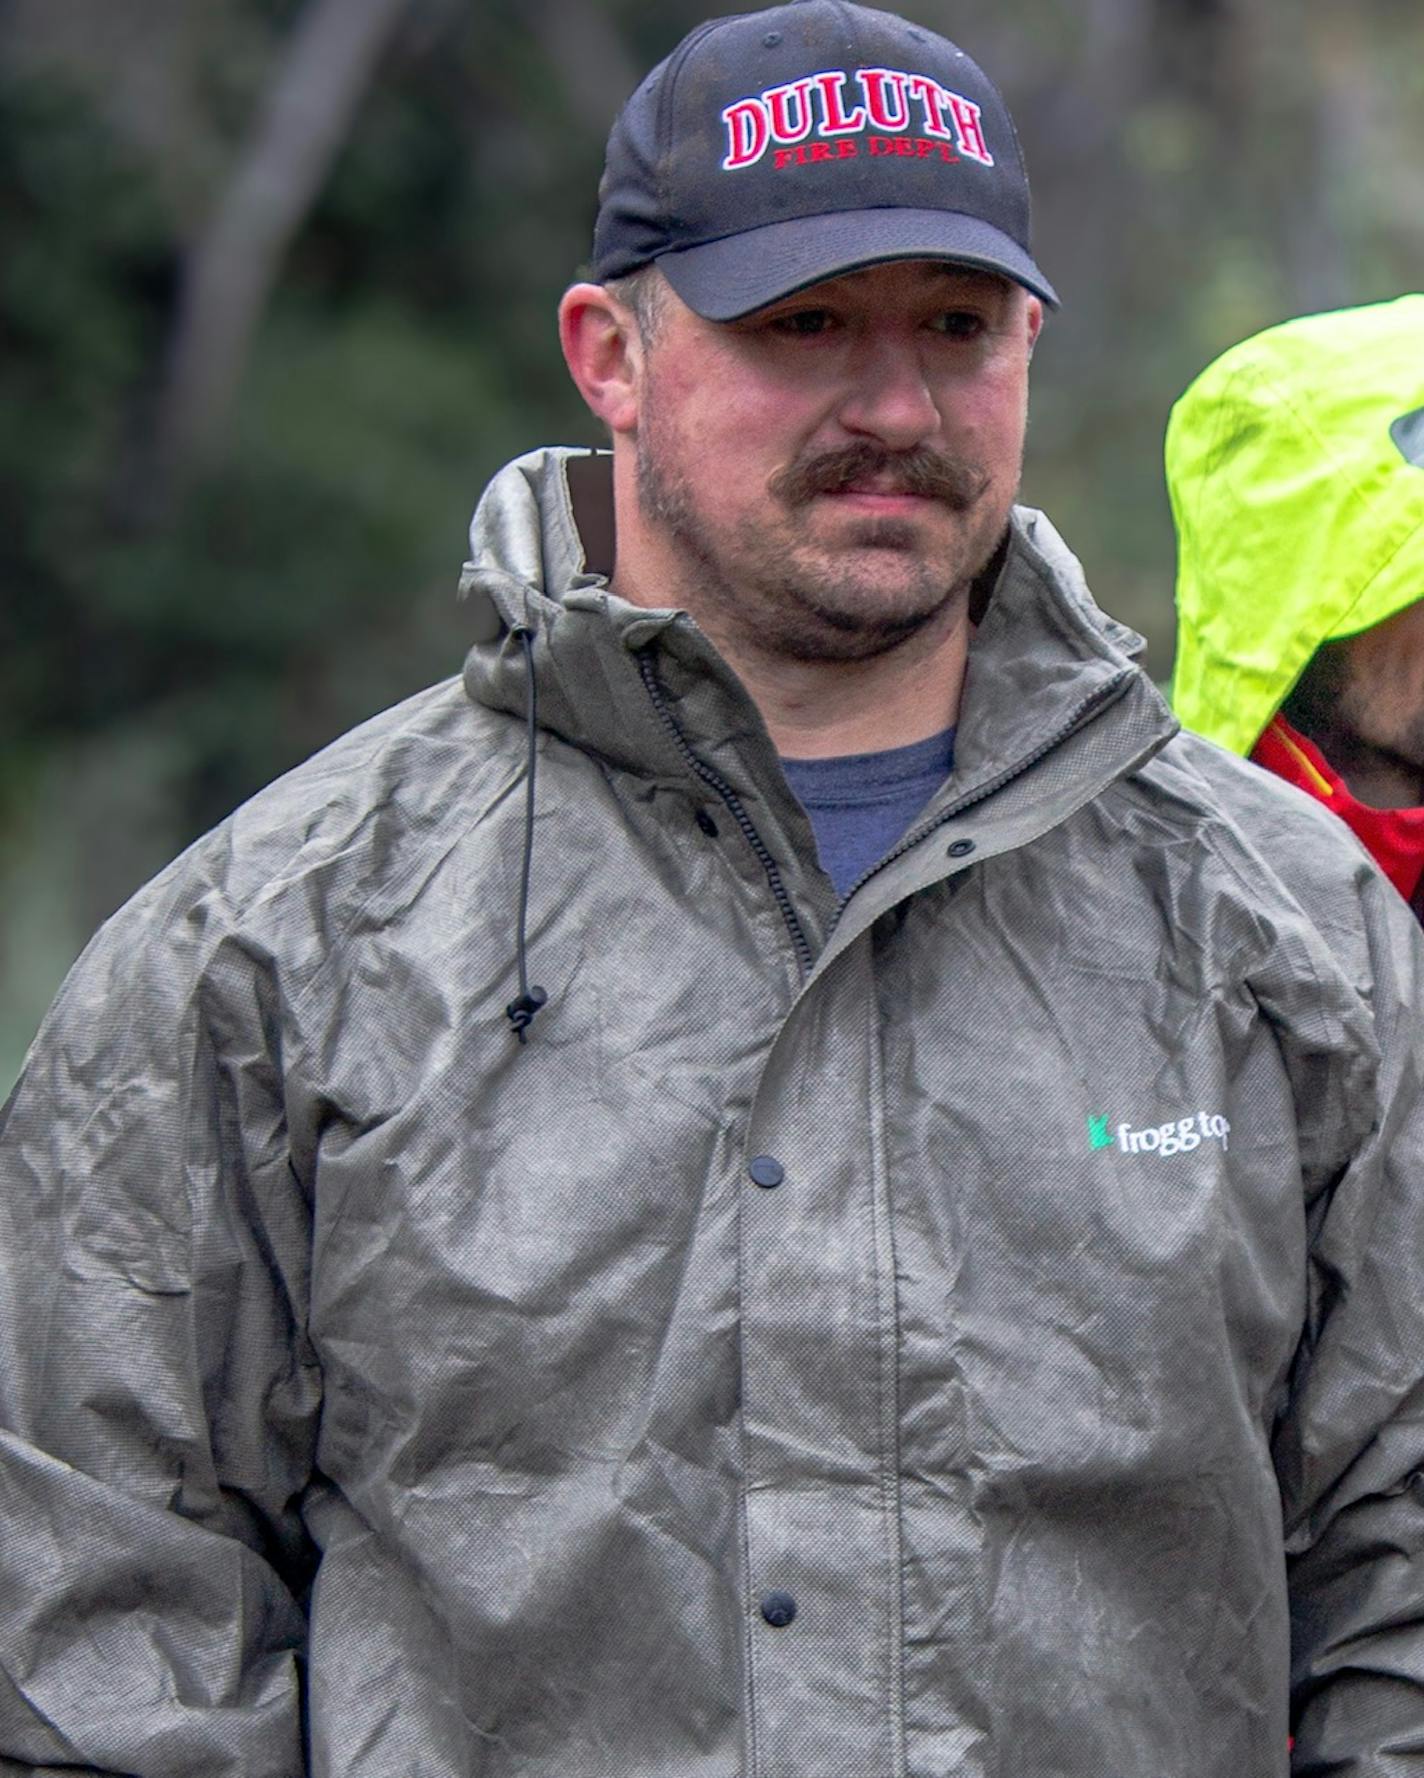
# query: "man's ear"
{"type": "Point", "coordinates": [1034, 320]}
{"type": "Point", "coordinates": [604, 353]}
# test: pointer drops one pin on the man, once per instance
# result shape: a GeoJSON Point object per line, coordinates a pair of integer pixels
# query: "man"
{"type": "Point", "coordinates": [1296, 468]}
{"type": "Point", "coordinates": [498, 1231]}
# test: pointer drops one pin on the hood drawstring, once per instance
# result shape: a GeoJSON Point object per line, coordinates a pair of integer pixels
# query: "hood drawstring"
{"type": "Point", "coordinates": [520, 1012]}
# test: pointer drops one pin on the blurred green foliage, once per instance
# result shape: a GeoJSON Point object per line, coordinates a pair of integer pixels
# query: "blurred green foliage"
{"type": "Point", "coordinates": [86, 269]}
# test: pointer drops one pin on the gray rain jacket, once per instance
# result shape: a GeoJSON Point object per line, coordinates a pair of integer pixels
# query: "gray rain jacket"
{"type": "Point", "coordinates": [458, 1404]}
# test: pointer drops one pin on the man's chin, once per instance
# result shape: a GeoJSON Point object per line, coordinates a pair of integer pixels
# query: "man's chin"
{"type": "Point", "coordinates": [905, 536]}
{"type": "Point", "coordinates": [844, 616]}
{"type": "Point", "coordinates": [882, 572]}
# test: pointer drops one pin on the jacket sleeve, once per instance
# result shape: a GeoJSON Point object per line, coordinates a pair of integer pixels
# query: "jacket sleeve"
{"type": "Point", "coordinates": [1350, 1449]}
{"type": "Point", "coordinates": [158, 1398]}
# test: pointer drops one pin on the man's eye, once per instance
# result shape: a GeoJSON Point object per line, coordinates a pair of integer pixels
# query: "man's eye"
{"type": "Point", "coordinates": [804, 321]}
{"type": "Point", "coordinates": [959, 324]}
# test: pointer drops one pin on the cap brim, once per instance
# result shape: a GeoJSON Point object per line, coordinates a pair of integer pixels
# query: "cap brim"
{"type": "Point", "coordinates": [726, 279]}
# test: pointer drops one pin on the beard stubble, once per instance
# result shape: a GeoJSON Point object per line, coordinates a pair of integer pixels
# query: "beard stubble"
{"type": "Point", "coordinates": [760, 588]}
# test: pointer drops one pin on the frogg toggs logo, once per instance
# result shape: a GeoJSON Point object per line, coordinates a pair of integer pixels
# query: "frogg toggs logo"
{"type": "Point", "coordinates": [1179, 1135]}
{"type": "Point", "coordinates": [821, 116]}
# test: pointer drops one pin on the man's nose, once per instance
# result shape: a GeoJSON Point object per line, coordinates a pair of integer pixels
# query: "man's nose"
{"type": "Point", "coordinates": [889, 397]}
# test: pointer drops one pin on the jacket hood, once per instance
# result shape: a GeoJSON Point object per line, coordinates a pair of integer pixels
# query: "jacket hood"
{"type": "Point", "coordinates": [1295, 465]}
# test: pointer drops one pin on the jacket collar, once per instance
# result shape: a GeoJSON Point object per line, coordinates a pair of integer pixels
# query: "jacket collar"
{"type": "Point", "coordinates": [530, 564]}
{"type": "Point", "coordinates": [1044, 659]}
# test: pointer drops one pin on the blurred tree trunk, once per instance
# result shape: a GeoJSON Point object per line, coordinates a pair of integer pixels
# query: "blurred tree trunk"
{"type": "Point", "coordinates": [593, 63]}
{"type": "Point", "coordinates": [232, 266]}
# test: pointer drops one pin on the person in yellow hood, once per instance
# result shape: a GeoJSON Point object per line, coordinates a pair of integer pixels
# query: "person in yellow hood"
{"type": "Point", "coordinates": [1295, 465]}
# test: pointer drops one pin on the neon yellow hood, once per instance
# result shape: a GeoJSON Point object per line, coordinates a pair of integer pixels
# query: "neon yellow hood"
{"type": "Point", "coordinates": [1295, 464]}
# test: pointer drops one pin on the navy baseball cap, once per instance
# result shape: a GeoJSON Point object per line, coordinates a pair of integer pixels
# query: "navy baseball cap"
{"type": "Point", "coordinates": [773, 150]}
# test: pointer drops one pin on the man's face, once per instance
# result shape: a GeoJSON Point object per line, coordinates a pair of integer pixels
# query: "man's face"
{"type": "Point", "coordinates": [1381, 694]}
{"type": "Point", "coordinates": [832, 471]}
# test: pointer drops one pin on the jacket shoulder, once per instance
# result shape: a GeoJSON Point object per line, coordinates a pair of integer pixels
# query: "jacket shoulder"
{"type": "Point", "coordinates": [351, 831]}
{"type": "Point", "coordinates": [1272, 832]}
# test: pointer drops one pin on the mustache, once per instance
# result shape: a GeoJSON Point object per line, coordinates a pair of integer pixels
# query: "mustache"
{"type": "Point", "coordinates": [930, 474]}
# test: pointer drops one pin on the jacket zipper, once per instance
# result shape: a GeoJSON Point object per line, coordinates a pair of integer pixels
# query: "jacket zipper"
{"type": "Point", "coordinates": [1088, 707]}
{"type": "Point", "coordinates": [804, 958]}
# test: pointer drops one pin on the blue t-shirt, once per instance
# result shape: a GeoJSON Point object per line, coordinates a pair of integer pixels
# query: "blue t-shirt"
{"type": "Point", "coordinates": [861, 803]}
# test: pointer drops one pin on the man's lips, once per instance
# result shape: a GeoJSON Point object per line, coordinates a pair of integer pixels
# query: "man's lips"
{"type": "Point", "coordinates": [878, 499]}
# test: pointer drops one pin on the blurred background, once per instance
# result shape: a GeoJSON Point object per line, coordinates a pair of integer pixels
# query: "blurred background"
{"type": "Point", "coordinates": [277, 284]}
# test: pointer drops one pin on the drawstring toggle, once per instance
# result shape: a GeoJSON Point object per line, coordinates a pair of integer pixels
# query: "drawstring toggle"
{"type": "Point", "coordinates": [520, 1011]}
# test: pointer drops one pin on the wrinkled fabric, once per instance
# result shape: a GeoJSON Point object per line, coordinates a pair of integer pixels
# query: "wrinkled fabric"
{"type": "Point", "coordinates": [370, 1377]}
{"type": "Point", "coordinates": [1295, 465]}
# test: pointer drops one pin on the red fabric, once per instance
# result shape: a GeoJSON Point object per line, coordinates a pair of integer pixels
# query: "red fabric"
{"type": "Point", "coordinates": [1394, 838]}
